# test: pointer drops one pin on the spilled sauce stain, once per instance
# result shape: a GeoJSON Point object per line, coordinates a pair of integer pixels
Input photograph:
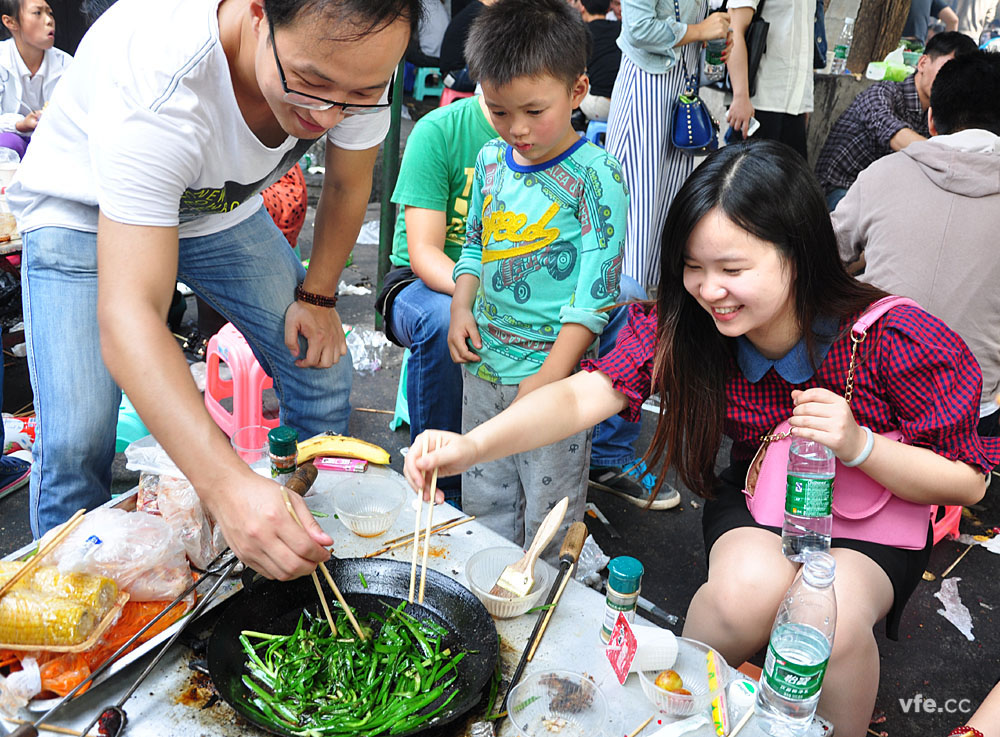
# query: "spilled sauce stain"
{"type": "Point", "coordinates": [199, 692]}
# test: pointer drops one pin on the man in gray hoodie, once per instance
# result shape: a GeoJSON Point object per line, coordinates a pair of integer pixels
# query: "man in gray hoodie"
{"type": "Point", "coordinates": [927, 218]}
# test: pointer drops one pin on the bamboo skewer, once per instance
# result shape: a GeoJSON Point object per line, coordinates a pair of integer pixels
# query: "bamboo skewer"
{"type": "Point", "coordinates": [430, 519]}
{"type": "Point", "coordinates": [742, 722]}
{"type": "Point", "coordinates": [548, 614]}
{"type": "Point", "coordinates": [641, 727]}
{"type": "Point", "coordinates": [46, 727]}
{"type": "Point", "coordinates": [398, 542]}
{"type": "Point", "coordinates": [329, 579]}
{"type": "Point", "coordinates": [31, 565]}
{"type": "Point", "coordinates": [408, 538]}
{"type": "Point", "coordinates": [964, 553]}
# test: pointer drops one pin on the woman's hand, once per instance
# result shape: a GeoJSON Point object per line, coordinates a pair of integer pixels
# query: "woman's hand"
{"type": "Point", "coordinates": [463, 328]}
{"type": "Point", "coordinates": [826, 417]}
{"type": "Point", "coordinates": [29, 122]}
{"type": "Point", "coordinates": [739, 113]}
{"type": "Point", "coordinates": [714, 26]}
{"type": "Point", "coordinates": [448, 452]}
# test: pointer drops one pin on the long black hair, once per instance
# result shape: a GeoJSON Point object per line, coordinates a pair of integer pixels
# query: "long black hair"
{"type": "Point", "coordinates": [766, 189]}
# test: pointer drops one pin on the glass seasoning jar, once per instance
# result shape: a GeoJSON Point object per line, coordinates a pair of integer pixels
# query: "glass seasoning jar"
{"type": "Point", "coordinates": [624, 583]}
{"type": "Point", "coordinates": [284, 452]}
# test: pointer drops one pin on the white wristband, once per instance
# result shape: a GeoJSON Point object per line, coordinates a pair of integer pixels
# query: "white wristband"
{"type": "Point", "coordinates": [865, 452]}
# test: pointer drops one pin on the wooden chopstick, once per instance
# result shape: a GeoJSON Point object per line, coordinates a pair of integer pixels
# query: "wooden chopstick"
{"type": "Point", "coordinates": [742, 722]}
{"type": "Point", "coordinates": [408, 538]}
{"type": "Point", "coordinates": [430, 520]}
{"type": "Point", "coordinates": [343, 603]}
{"type": "Point", "coordinates": [35, 561]}
{"type": "Point", "coordinates": [315, 578]}
{"type": "Point", "coordinates": [416, 535]}
{"type": "Point", "coordinates": [552, 608]}
{"type": "Point", "coordinates": [46, 727]}
{"type": "Point", "coordinates": [641, 727]}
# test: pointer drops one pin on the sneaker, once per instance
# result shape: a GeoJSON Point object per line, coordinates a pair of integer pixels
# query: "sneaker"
{"type": "Point", "coordinates": [14, 473]}
{"type": "Point", "coordinates": [633, 483]}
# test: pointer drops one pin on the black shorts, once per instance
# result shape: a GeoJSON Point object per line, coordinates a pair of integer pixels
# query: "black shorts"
{"type": "Point", "coordinates": [904, 568]}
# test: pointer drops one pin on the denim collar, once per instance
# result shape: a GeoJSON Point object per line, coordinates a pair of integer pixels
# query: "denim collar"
{"type": "Point", "coordinates": [795, 366]}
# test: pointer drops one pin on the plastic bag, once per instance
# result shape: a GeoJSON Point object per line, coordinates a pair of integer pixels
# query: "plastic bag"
{"type": "Point", "coordinates": [591, 562]}
{"type": "Point", "coordinates": [180, 506]}
{"type": "Point", "coordinates": [367, 347]}
{"type": "Point", "coordinates": [145, 454]}
{"type": "Point", "coordinates": [20, 687]}
{"type": "Point", "coordinates": [139, 551]}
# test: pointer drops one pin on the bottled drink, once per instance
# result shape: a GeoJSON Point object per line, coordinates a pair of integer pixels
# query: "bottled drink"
{"type": "Point", "coordinates": [713, 69]}
{"type": "Point", "coordinates": [808, 499]}
{"type": "Point", "coordinates": [798, 652]}
{"type": "Point", "coordinates": [843, 48]}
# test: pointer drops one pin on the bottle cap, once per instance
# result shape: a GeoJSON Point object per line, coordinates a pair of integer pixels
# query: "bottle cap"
{"type": "Point", "coordinates": [283, 440]}
{"type": "Point", "coordinates": [819, 569]}
{"type": "Point", "coordinates": [624, 574]}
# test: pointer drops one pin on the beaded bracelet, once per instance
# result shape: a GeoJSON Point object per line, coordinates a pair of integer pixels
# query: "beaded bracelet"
{"type": "Point", "coordinates": [319, 300]}
{"type": "Point", "coordinates": [965, 732]}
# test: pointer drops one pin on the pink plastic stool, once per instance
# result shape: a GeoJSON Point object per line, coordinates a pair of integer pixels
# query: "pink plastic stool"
{"type": "Point", "coordinates": [947, 526]}
{"type": "Point", "coordinates": [246, 387]}
{"type": "Point", "coordinates": [448, 96]}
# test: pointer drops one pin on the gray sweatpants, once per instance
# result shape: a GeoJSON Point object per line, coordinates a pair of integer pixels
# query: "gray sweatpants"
{"type": "Point", "coordinates": [512, 495]}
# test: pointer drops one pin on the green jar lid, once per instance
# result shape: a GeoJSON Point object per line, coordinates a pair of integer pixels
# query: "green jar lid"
{"type": "Point", "coordinates": [283, 441]}
{"type": "Point", "coordinates": [624, 574]}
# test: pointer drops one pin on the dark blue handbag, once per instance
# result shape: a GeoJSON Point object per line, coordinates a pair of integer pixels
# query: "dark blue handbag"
{"type": "Point", "coordinates": [693, 130]}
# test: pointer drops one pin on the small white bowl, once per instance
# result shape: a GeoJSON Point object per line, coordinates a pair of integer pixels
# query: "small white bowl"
{"type": "Point", "coordinates": [368, 503]}
{"type": "Point", "coordinates": [556, 701]}
{"type": "Point", "coordinates": [691, 666]}
{"type": "Point", "coordinates": [484, 568]}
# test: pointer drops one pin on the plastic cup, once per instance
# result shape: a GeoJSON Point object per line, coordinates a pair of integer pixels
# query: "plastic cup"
{"type": "Point", "coordinates": [251, 444]}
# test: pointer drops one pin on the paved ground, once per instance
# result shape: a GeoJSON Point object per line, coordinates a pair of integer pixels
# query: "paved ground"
{"type": "Point", "coordinates": [932, 661]}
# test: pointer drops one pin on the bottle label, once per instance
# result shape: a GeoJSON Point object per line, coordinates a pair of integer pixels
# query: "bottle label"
{"type": "Point", "coordinates": [840, 51]}
{"type": "Point", "coordinates": [807, 497]}
{"type": "Point", "coordinates": [793, 680]}
{"type": "Point", "coordinates": [611, 611]}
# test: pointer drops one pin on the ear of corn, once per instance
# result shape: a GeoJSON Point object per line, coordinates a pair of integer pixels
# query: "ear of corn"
{"type": "Point", "coordinates": [97, 592]}
{"type": "Point", "coordinates": [28, 617]}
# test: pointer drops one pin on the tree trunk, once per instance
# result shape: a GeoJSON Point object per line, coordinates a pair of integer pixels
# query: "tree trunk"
{"type": "Point", "coordinates": [876, 31]}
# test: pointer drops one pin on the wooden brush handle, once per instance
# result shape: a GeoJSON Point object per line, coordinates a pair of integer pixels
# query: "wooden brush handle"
{"type": "Point", "coordinates": [303, 478]}
{"type": "Point", "coordinates": [546, 531]}
{"type": "Point", "coordinates": [573, 542]}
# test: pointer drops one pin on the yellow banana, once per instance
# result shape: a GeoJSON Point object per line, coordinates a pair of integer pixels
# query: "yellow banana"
{"type": "Point", "coordinates": [341, 446]}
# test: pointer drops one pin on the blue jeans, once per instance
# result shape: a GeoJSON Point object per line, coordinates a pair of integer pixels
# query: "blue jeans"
{"type": "Point", "coordinates": [420, 318]}
{"type": "Point", "coordinates": [248, 273]}
{"type": "Point", "coordinates": [834, 196]}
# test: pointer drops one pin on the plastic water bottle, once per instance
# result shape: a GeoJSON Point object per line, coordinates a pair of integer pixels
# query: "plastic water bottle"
{"type": "Point", "coordinates": [808, 519]}
{"type": "Point", "coordinates": [843, 48]}
{"type": "Point", "coordinates": [799, 651]}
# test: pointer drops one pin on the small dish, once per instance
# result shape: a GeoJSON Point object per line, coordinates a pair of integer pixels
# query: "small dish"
{"type": "Point", "coordinates": [484, 568]}
{"type": "Point", "coordinates": [557, 702]}
{"type": "Point", "coordinates": [368, 503]}
{"type": "Point", "coordinates": [692, 667]}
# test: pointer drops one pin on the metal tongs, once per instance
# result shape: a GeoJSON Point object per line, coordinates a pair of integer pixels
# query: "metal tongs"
{"type": "Point", "coordinates": [222, 566]}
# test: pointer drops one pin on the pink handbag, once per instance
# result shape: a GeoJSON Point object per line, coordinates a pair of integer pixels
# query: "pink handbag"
{"type": "Point", "coordinates": [863, 509]}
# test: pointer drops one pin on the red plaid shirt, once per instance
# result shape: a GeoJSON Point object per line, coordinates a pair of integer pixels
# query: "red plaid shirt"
{"type": "Point", "coordinates": [912, 373]}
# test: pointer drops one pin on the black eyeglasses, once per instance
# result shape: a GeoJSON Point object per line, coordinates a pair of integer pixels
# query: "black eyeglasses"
{"type": "Point", "coordinates": [301, 99]}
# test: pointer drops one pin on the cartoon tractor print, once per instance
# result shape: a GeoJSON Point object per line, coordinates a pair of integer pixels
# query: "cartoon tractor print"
{"type": "Point", "coordinates": [558, 258]}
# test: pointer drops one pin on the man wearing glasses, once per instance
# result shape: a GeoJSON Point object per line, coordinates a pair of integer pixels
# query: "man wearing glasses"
{"type": "Point", "coordinates": [147, 169]}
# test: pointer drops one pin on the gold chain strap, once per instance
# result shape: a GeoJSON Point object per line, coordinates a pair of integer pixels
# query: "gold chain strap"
{"type": "Point", "coordinates": [856, 340]}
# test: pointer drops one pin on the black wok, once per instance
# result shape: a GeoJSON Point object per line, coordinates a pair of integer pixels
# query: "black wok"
{"type": "Point", "coordinates": [274, 607]}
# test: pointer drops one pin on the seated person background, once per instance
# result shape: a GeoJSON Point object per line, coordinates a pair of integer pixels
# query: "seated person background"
{"type": "Point", "coordinates": [886, 117]}
{"type": "Point", "coordinates": [927, 218]}
{"type": "Point", "coordinates": [425, 45]}
{"type": "Point", "coordinates": [453, 66]}
{"type": "Point", "coordinates": [30, 68]}
{"type": "Point", "coordinates": [921, 13]}
{"type": "Point", "coordinates": [433, 192]}
{"type": "Point", "coordinates": [604, 59]}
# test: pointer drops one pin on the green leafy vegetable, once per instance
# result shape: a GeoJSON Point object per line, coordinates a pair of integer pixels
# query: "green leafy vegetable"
{"type": "Point", "coordinates": [312, 684]}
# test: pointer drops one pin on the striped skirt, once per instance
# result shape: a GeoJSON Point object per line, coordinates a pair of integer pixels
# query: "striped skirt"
{"type": "Point", "coordinates": [639, 137]}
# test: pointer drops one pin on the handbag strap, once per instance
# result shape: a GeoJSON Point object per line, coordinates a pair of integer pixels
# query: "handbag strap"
{"type": "Point", "coordinates": [690, 80]}
{"type": "Point", "coordinates": [860, 331]}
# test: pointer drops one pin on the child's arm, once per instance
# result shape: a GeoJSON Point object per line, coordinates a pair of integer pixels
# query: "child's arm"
{"type": "Point", "coordinates": [555, 411]}
{"type": "Point", "coordinates": [565, 355]}
{"type": "Point", "coordinates": [463, 325]}
{"type": "Point", "coordinates": [425, 236]}
{"type": "Point", "coordinates": [912, 473]}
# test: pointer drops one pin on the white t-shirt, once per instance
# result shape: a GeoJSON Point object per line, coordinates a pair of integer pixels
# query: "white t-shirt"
{"type": "Point", "coordinates": [21, 93]}
{"type": "Point", "coordinates": [145, 127]}
{"type": "Point", "coordinates": [785, 75]}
